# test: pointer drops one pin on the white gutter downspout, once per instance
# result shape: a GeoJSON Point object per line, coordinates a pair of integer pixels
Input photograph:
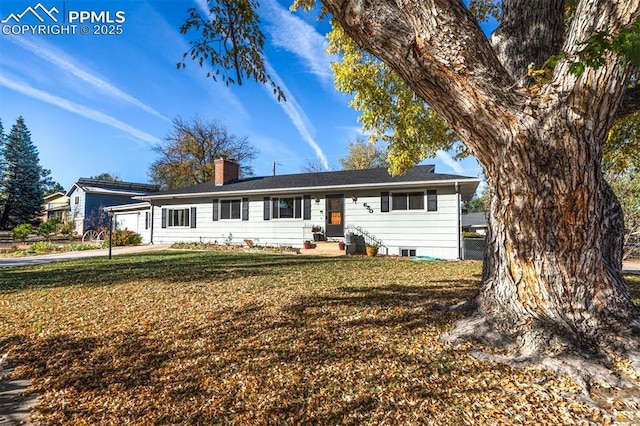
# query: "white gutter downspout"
{"type": "Point", "coordinates": [459, 214]}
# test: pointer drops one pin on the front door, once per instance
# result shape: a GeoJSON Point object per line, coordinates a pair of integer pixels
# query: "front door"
{"type": "Point", "coordinates": [334, 226]}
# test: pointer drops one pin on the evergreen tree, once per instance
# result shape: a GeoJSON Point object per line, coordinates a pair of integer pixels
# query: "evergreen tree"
{"type": "Point", "coordinates": [49, 186]}
{"type": "Point", "coordinates": [2, 166]}
{"type": "Point", "coordinates": [21, 178]}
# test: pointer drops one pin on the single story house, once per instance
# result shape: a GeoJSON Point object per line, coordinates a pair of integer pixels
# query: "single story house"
{"type": "Point", "coordinates": [89, 197]}
{"type": "Point", "coordinates": [418, 214]}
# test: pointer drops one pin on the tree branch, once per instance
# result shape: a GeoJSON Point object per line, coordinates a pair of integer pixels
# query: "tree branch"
{"type": "Point", "coordinates": [439, 49]}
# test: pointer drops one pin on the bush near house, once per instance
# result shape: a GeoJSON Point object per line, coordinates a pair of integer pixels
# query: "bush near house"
{"type": "Point", "coordinates": [125, 237]}
{"type": "Point", "coordinates": [22, 232]}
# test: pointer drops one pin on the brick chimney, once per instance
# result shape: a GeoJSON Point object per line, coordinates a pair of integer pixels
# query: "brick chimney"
{"type": "Point", "coordinates": [226, 171]}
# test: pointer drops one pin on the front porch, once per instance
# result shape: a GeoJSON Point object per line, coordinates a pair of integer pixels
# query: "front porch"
{"type": "Point", "coordinates": [324, 248]}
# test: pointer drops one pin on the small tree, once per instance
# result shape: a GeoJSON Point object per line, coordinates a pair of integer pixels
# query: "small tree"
{"type": "Point", "coordinates": [48, 228]}
{"type": "Point", "coordinates": [111, 177]}
{"type": "Point", "coordinates": [313, 166]}
{"type": "Point", "coordinates": [479, 202]}
{"type": "Point", "coordinates": [626, 185]}
{"type": "Point", "coordinates": [188, 153]}
{"type": "Point", "coordinates": [364, 155]}
{"type": "Point", "coordinates": [22, 232]}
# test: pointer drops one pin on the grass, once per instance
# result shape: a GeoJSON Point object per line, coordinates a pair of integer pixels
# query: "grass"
{"type": "Point", "coordinates": [218, 338]}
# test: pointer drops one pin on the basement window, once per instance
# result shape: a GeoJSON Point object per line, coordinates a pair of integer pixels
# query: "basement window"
{"type": "Point", "coordinates": [407, 252]}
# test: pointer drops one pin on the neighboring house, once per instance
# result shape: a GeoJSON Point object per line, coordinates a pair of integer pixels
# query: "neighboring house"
{"type": "Point", "coordinates": [475, 222]}
{"type": "Point", "coordinates": [89, 197]}
{"type": "Point", "coordinates": [418, 214]}
{"type": "Point", "coordinates": [56, 206]}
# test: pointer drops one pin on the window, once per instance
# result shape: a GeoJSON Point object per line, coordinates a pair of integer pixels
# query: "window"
{"type": "Point", "coordinates": [76, 200]}
{"type": "Point", "coordinates": [407, 201]}
{"type": "Point", "coordinates": [384, 202]}
{"type": "Point", "coordinates": [432, 201]}
{"type": "Point", "coordinates": [286, 208]}
{"type": "Point", "coordinates": [147, 216]}
{"type": "Point", "coordinates": [407, 252]}
{"type": "Point", "coordinates": [179, 217]}
{"type": "Point", "coordinates": [230, 209]}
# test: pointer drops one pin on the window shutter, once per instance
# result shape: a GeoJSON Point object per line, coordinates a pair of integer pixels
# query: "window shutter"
{"type": "Point", "coordinates": [307, 208]}
{"type": "Point", "coordinates": [146, 220]}
{"type": "Point", "coordinates": [275, 213]}
{"type": "Point", "coordinates": [432, 200]}
{"type": "Point", "coordinates": [193, 217]}
{"type": "Point", "coordinates": [215, 209]}
{"type": "Point", "coordinates": [267, 207]}
{"type": "Point", "coordinates": [164, 218]}
{"type": "Point", "coordinates": [298, 208]}
{"type": "Point", "coordinates": [384, 201]}
{"type": "Point", "coordinates": [245, 209]}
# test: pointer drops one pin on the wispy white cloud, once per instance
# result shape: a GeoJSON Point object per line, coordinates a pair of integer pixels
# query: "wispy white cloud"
{"type": "Point", "coordinates": [78, 109]}
{"type": "Point", "coordinates": [295, 114]}
{"type": "Point", "coordinates": [293, 34]}
{"type": "Point", "coordinates": [203, 6]}
{"type": "Point", "coordinates": [450, 162]}
{"type": "Point", "coordinates": [58, 58]}
{"type": "Point", "coordinates": [169, 44]}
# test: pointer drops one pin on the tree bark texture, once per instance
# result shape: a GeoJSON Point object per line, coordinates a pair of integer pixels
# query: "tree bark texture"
{"type": "Point", "coordinates": [552, 283]}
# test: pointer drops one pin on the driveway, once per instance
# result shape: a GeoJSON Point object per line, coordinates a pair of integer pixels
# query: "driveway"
{"type": "Point", "coordinates": [73, 255]}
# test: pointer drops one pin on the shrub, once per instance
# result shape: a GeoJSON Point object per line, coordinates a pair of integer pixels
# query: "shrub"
{"type": "Point", "coordinates": [471, 234]}
{"type": "Point", "coordinates": [22, 232]}
{"type": "Point", "coordinates": [68, 229]}
{"type": "Point", "coordinates": [43, 247]}
{"type": "Point", "coordinates": [81, 247]}
{"type": "Point", "coordinates": [48, 228]}
{"type": "Point", "coordinates": [124, 237]}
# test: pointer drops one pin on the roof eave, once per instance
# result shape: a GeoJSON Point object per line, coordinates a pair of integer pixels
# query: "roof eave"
{"type": "Point", "coordinates": [473, 181]}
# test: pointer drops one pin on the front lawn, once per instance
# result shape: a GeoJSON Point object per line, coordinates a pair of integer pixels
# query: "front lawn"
{"type": "Point", "coordinates": [216, 338]}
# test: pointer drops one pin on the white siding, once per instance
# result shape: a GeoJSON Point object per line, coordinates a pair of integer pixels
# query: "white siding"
{"type": "Point", "coordinates": [134, 221]}
{"type": "Point", "coordinates": [430, 233]}
{"type": "Point", "coordinates": [274, 232]}
{"type": "Point", "coordinates": [77, 209]}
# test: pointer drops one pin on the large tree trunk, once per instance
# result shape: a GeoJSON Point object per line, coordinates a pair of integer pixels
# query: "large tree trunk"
{"type": "Point", "coordinates": [552, 291]}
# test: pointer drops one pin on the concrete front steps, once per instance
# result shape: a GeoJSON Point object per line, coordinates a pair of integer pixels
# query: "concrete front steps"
{"type": "Point", "coordinates": [323, 248]}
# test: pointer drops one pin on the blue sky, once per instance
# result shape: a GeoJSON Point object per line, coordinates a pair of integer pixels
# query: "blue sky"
{"type": "Point", "coordinates": [99, 102]}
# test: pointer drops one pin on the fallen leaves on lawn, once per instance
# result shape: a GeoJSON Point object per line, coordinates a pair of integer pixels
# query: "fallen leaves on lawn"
{"type": "Point", "coordinates": [210, 338]}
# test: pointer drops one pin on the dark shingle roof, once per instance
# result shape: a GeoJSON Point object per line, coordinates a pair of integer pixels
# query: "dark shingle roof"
{"type": "Point", "coordinates": [423, 173]}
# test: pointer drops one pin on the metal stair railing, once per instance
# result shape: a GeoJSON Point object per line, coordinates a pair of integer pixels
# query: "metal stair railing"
{"type": "Point", "coordinates": [369, 238]}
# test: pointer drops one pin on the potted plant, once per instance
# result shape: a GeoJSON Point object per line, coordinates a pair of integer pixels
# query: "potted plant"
{"type": "Point", "coordinates": [317, 233]}
{"type": "Point", "coordinates": [372, 249]}
{"type": "Point", "coordinates": [307, 244]}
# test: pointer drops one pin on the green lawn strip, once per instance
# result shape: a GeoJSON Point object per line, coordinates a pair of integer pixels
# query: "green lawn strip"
{"type": "Point", "coordinates": [207, 337]}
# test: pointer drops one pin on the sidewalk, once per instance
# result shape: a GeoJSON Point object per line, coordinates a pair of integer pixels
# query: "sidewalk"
{"type": "Point", "coordinates": [73, 255]}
